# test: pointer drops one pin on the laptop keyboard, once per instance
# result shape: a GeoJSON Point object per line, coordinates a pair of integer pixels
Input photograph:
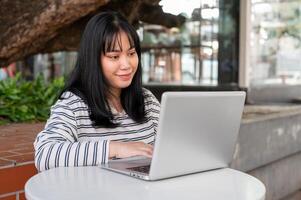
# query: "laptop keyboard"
{"type": "Point", "coordinates": [142, 169]}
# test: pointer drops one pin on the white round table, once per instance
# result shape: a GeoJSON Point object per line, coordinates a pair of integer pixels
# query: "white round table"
{"type": "Point", "coordinates": [95, 183]}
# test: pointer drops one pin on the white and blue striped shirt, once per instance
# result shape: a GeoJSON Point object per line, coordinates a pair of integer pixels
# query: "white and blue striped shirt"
{"type": "Point", "coordinates": [69, 139]}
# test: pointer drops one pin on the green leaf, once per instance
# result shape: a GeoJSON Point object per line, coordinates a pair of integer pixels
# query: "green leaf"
{"type": "Point", "coordinates": [22, 100]}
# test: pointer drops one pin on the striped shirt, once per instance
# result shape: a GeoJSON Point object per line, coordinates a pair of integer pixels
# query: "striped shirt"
{"type": "Point", "coordinates": [69, 139]}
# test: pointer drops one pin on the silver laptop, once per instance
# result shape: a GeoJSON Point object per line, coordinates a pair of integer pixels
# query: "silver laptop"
{"type": "Point", "coordinates": [197, 132]}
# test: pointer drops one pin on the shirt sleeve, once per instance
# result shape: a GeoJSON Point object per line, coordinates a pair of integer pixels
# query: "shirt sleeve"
{"type": "Point", "coordinates": [58, 146]}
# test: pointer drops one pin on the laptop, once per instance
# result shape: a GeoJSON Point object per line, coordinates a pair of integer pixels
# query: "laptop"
{"type": "Point", "coordinates": [197, 132]}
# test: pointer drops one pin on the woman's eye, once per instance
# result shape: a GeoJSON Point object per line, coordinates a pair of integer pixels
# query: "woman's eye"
{"type": "Point", "coordinates": [132, 53]}
{"type": "Point", "coordinates": [113, 57]}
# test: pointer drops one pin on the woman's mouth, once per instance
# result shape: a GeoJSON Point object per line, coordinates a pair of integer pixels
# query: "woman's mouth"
{"type": "Point", "coordinates": [125, 77]}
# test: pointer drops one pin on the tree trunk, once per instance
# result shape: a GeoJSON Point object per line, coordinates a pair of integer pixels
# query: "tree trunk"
{"type": "Point", "coordinates": [28, 27]}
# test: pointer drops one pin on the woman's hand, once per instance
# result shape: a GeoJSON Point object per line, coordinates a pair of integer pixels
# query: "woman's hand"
{"type": "Point", "coordinates": [129, 149]}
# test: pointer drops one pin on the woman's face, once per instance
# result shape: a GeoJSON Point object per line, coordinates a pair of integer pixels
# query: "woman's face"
{"type": "Point", "coordinates": [120, 65]}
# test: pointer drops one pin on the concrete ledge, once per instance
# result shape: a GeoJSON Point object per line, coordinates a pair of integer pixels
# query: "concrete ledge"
{"type": "Point", "coordinates": [274, 93]}
{"type": "Point", "coordinates": [265, 138]}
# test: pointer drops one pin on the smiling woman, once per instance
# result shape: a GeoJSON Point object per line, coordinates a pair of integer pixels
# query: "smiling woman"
{"type": "Point", "coordinates": [119, 65]}
{"type": "Point", "coordinates": [103, 111]}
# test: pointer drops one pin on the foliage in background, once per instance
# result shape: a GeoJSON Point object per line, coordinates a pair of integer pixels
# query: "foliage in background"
{"type": "Point", "coordinates": [24, 101]}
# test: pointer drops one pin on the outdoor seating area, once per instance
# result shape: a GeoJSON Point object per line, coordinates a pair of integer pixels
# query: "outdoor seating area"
{"type": "Point", "coordinates": [17, 159]}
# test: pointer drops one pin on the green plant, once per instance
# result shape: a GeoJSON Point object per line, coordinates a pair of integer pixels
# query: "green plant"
{"type": "Point", "coordinates": [22, 100]}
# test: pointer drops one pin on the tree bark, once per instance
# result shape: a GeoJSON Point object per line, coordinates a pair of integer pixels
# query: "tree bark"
{"type": "Point", "coordinates": [28, 27]}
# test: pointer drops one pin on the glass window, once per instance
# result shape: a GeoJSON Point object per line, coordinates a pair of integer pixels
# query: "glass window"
{"type": "Point", "coordinates": [275, 42]}
{"type": "Point", "coordinates": [185, 55]}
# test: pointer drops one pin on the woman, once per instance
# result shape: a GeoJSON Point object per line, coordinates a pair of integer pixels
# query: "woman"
{"type": "Point", "coordinates": [103, 112]}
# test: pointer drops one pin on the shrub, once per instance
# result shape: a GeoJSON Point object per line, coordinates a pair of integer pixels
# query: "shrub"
{"type": "Point", "coordinates": [24, 101]}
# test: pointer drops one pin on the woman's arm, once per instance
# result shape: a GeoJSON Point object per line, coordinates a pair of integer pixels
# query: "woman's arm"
{"type": "Point", "coordinates": [57, 145]}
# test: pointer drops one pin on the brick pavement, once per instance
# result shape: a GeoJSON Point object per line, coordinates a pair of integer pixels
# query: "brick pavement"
{"type": "Point", "coordinates": [16, 158]}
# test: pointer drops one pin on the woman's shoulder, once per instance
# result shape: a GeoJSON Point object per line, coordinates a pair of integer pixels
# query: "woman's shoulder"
{"type": "Point", "coordinates": [70, 100]}
{"type": "Point", "coordinates": [70, 97]}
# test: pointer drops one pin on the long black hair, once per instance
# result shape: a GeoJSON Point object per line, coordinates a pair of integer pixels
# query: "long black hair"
{"type": "Point", "coordinates": [87, 79]}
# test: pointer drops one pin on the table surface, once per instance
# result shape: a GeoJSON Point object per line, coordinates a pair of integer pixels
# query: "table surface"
{"type": "Point", "coordinates": [96, 183]}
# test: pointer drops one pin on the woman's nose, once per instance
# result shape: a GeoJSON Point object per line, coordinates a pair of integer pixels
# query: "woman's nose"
{"type": "Point", "coordinates": [124, 63]}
